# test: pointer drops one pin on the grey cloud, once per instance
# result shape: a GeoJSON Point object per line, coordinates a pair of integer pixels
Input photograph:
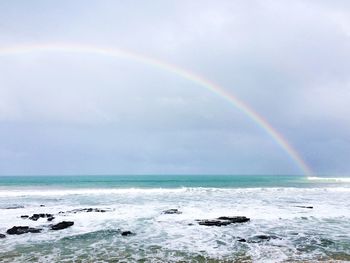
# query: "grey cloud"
{"type": "Point", "coordinates": [289, 60]}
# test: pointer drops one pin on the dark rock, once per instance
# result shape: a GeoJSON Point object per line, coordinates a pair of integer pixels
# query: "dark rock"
{"type": "Point", "coordinates": [2, 236]}
{"type": "Point", "coordinates": [35, 217]}
{"type": "Point", "coordinates": [235, 219]}
{"type": "Point", "coordinates": [261, 238]}
{"type": "Point", "coordinates": [172, 211]}
{"type": "Point", "coordinates": [50, 218]}
{"type": "Point", "coordinates": [242, 240]}
{"type": "Point", "coordinates": [42, 205]}
{"type": "Point", "coordinates": [19, 230]}
{"type": "Point", "coordinates": [127, 233]}
{"type": "Point", "coordinates": [62, 225]}
{"type": "Point", "coordinates": [15, 207]}
{"type": "Point", "coordinates": [303, 206]}
{"type": "Point", "coordinates": [24, 216]}
{"type": "Point", "coordinates": [223, 221]}
{"type": "Point", "coordinates": [87, 210]}
{"type": "Point", "coordinates": [213, 223]}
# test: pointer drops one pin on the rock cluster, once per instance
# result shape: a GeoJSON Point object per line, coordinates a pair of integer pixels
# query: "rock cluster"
{"type": "Point", "coordinates": [87, 210]}
{"type": "Point", "coordinates": [19, 230]}
{"type": "Point", "coordinates": [62, 225]}
{"type": "Point", "coordinates": [172, 211]}
{"type": "Point", "coordinates": [223, 221]}
{"type": "Point", "coordinates": [127, 233]}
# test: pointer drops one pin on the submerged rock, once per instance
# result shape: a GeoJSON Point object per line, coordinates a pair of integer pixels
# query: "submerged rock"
{"type": "Point", "coordinates": [172, 211]}
{"type": "Point", "coordinates": [243, 240]}
{"type": "Point", "coordinates": [223, 221]}
{"type": "Point", "coordinates": [24, 216]}
{"type": "Point", "coordinates": [127, 233]}
{"type": "Point", "coordinates": [303, 206]}
{"type": "Point", "coordinates": [62, 225]}
{"type": "Point", "coordinates": [14, 207]}
{"type": "Point", "coordinates": [213, 223]}
{"type": "Point", "coordinates": [19, 230]}
{"type": "Point", "coordinates": [2, 236]}
{"type": "Point", "coordinates": [87, 210]}
{"type": "Point", "coordinates": [234, 219]}
{"type": "Point", "coordinates": [35, 217]}
{"type": "Point", "coordinates": [261, 238]}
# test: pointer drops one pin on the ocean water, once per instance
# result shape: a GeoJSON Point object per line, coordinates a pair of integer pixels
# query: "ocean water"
{"type": "Point", "coordinates": [136, 203]}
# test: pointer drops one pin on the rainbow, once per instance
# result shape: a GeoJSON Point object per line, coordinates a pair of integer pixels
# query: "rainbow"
{"type": "Point", "coordinates": [183, 73]}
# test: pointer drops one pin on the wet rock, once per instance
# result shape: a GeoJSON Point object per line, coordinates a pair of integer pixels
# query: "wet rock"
{"type": "Point", "coordinates": [2, 236]}
{"type": "Point", "coordinates": [62, 225]}
{"type": "Point", "coordinates": [172, 211]}
{"type": "Point", "coordinates": [35, 217]}
{"type": "Point", "coordinates": [223, 221]}
{"type": "Point", "coordinates": [235, 219]}
{"type": "Point", "coordinates": [24, 216]}
{"type": "Point", "coordinates": [19, 230]}
{"type": "Point", "coordinates": [213, 223]}
{"type": "Point", "coordinates": [127, 233]}
{"type": "Point", "coordinates": [15, 207]}
{"type": "Point", "coordinates": [87, 210]}
{"type": "Point", "coordinates": [42, 205]}
{"type": "Point", "coordinates": [303, 206]}
{"type": "Point", "coordinates": [243, 240]}
{"type": "Point", "coordinates": [261, 238]}
{"type": "Point", "coordinates": [50, 218]}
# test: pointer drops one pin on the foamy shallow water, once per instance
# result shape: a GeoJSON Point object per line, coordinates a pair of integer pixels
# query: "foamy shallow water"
{"type": "Point", "coordinates": [321, 233]}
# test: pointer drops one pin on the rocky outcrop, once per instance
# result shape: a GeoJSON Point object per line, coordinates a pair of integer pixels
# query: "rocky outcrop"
{"type": "Point", "coordinates": [127, 233]}
{"type": "Point", "coordinates": [62, 225]}
{"type": "Point", "coordinates": [223, 221]}
{"type": "Point", "coordinates": [35, 217]}
{"type": "Point", "coordinates": [19, 230]}
{"type": "Point", "coordinates": [234, 219]}
{"type": "Point", "coordinates": [303, 206]}
{"type": "Point", "coordinates": [172, 211]}
{"type": "Point", "coordinates": [87, 210]}
{"type": "Point", "coordinates": [14, 207]}
{"type": "Point", "coordinates": [262, 238]}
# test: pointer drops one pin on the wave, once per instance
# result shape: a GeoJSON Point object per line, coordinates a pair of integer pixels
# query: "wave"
{"type": "Point", "coordinates": [330, 179]}
{"type": "Point", "coordinates": [39, 192]}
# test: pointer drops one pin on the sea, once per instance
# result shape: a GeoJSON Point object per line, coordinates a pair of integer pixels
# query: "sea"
{"type": "Point", "coordinates": [292, 218]}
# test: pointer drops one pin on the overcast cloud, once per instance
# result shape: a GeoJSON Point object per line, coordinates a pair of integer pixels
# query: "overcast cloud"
{"type": "Point", "coordinates": [86, 114]}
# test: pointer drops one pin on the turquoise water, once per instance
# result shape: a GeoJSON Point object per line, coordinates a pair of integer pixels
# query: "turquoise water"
{"type": "Point", "coordinates": [161, 181]}
{"type": "Point", "coordinates": [276, 206]}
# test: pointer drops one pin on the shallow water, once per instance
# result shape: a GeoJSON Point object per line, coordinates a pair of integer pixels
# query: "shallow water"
{"type": "Point", "coordinates": [300, 234]}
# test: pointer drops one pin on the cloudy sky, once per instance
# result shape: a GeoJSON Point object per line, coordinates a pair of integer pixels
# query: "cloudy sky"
{"type": "Point", "coordinates": [76, 113]}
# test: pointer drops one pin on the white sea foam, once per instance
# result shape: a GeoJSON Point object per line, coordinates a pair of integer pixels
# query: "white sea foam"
{"type": "Point", "coordinates": [330, 179]}
{"type": "Point", "coordinates": [39, 192]}
{"type": "Point", "coordinates": [84, 191]}
{"type": "Point", "coordinates": [273, 211]}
